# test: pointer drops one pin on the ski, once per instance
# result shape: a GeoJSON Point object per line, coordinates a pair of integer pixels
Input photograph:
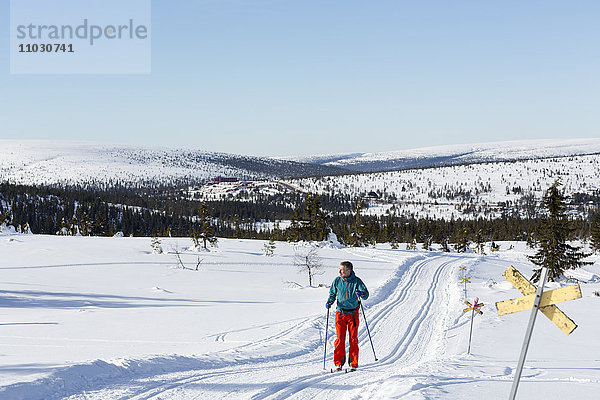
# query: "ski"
{"type": "Point", "coordinates": [334, 370]}
{"type": "Point", "coordinates": [350, 370]}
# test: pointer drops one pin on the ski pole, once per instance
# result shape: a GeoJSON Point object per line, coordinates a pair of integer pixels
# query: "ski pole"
{"type": "Point", "coordinates": [369, 333]}
{"type": "Point", "coordinates": [326, 326]}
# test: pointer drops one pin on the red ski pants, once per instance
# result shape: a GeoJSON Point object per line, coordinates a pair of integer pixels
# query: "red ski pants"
{"type": "Point", "coordinates": [345, 322]}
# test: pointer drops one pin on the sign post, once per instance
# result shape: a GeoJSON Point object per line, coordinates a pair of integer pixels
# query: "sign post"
{"type": "Point", "coordinates": [532, 316]}
{"type": "Point", "coordinates": [475, 308]}
{"type": "Point", "coordinates": [465, 280]}
{"type": "Point", "coordinates": [536, 299]}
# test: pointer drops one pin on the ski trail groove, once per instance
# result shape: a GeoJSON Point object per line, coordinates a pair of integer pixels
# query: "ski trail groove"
{"type": "Point", "coordinates": [401, 321]}
{"type": "Point", "coordinates": [294, 387]}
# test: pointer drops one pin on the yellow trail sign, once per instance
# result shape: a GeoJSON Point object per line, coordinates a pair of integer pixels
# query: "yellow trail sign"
{"type": "Point", "coordinates": [547, 304]}
{"type": "Point", "coordinates": [465, 280]}
{"type": "Point", "coordinates": [548, 299]}
{"type": "Point", "coordinates": [475, 308]}
{"type": "Point", "coordinates": [519, 281]}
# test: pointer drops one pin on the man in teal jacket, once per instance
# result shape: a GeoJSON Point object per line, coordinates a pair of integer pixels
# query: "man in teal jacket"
{"type": "Point", "coordinates": [348, 289]}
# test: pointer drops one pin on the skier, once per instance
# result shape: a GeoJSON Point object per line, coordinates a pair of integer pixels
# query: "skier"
{"type": "Point", "coordinates": [349, 290]}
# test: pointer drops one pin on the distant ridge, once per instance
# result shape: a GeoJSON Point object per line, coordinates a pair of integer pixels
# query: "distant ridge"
{"type": "Point", "coordinates": [456, 154]}
{"type": "Point", "coordinates": [68, 163]}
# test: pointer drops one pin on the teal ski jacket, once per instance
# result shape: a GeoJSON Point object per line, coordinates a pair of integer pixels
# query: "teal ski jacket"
{"type": "Point", "coordinates": [345, 291]}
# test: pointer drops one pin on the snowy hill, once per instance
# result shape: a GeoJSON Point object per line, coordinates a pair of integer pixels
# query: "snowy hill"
{"type": "Point", "coordinates": [72, 163]}
{"type": "Point", "coordinates": [482, 189]}
{"type": "Point", "coordinates": [456, 154]}
{"type": "Point", "coordinates": [469, 191]}
{"type": "Point", "coordinates": [105, 318]}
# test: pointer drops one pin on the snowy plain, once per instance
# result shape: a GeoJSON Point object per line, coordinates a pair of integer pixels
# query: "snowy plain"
{"type": "Point", "coordinates": [106, 318]}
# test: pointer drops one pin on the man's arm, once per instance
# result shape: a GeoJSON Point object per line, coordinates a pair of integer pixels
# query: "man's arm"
{"type": "Point", "coordinates": [332, 291]}
{"type": "Point", "coordinates": [363, 289]}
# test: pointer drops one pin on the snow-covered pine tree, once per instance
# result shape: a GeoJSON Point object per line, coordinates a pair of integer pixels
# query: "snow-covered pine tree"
{"type": "Point", "coordinates": [81, 223]}
{"type": "Point", "coordinates": [237, 230]}
{"type": "Point", "coordinates": [553, 251]}
{"type": "Point", "coordinates": [155, 244]}
{"type": "Point", "coordinates": [26, 229]}
{"type": "Point", "coordinates": [270, 248]}
{"type": "Point", "coordinates": [595, 232]}
{"type": "Point", "coordinates": [530, 240]}
{"type": "Point", "coordinates": [294, 232]}
{"type": "Point", "coordinates": [318, 226]}
{"type": "Point", "coordinates": [64, 229]}
{"type": "Point", "coordinates": [427, 242]}
{"type": "Point", "coordinates": [310, 222]}
{"type": "Point", "coordinates": [445, 247]}
{"type": "Point", "coordinates": [461, 241]}
{"type": "Point", "coordinates": [358, 237]}
{"type": "Point", "coordinates": [207, 232]}
{"type": "Point", "coordinates": [479, 242]}
{"type": "Point", "coordinates": [4, 217]}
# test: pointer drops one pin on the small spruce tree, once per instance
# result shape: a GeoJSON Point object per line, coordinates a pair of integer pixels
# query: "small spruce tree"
{"type": "Point", "coordinates": [553, 251]}
{"type": "Point", "coordinates": [461, 242]}
{"type": "Point", "coordinates": [81, 224]}
{"type": "Point", "coordinates": [155, 244]}
{"type": "Point", "coordinates": [237, 230]}
{"type": "Point", "coordinates": [26, 229]}
{"type": "Point", "coordinates": [207, 232]}
{"type": "Point", "coordinates": [479, 242]}
{"type": "Point", "coordinates": [4, 218]}
{"type": "Point", "coordinates": [358, 235]}
{"type": "Point", "coordinates": [309, 222]}
{"type": "Point", "coordinates": [294, 232]}
{"type": "Point", "coordinates": [64, 229]}
{"type": "Point", "coordinates": [445, 247]}
{"type": "Point", "coordinates": [269, 248]}
{"type": "Point", "coordinates": [595, 232]}
{"type": "Point", "coordinates": [427, 242]}
{"type": "Point", "coordinates": [318, 219]}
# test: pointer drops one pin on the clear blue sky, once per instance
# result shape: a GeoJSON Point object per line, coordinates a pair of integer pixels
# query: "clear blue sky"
{"type": "Point", "coordinates": [282, 77]}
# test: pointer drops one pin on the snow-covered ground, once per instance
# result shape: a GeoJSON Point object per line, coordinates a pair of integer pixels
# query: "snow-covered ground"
{"type": "Point", "coordinates": [105, 318]}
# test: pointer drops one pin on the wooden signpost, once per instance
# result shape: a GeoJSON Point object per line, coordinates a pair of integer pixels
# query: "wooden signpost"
{"type": "Point", "coordinates": [547, 300]}
{"type": "Point", "coordinates": [534, 298]}
{"type": "Point", "coordinates": [474, 308]}
{"type": "Point", "coordinates": [465, 280]}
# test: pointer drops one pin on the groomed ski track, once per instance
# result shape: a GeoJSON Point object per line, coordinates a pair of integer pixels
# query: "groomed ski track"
{"type": "Point", "coordinates": [409, 317]}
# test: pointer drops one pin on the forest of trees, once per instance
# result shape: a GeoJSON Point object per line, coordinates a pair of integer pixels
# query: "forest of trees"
{"type": "Point", "coordinates": [169, 211]}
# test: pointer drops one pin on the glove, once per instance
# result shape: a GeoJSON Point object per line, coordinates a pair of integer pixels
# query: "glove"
{"type": "Point", "coordinates": [328, 305]}
{"type": "Point", "coordinates": [359, 293]}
